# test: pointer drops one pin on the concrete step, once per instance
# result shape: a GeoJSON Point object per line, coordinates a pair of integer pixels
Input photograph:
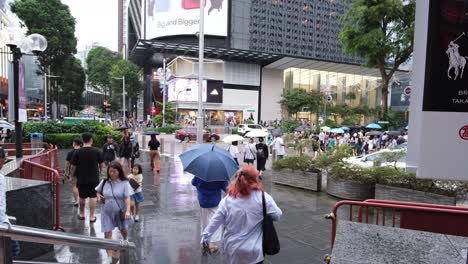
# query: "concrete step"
{"type": "Point", "coordinates": [357, 243]}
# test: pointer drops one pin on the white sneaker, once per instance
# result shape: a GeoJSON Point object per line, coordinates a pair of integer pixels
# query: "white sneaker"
{"type": "Point", "coordinates": [137, 218]}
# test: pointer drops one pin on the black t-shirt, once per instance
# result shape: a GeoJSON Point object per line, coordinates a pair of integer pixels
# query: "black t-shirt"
{"type": "Point", "coordinates": [70, 155]}
{"type": "Point", "coordinates": [154, 144]}
{"type": "Point", "coordinates": [87, 160]}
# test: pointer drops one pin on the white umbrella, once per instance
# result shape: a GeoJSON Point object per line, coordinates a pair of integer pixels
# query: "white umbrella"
{"type": "Point", "coordinates": [5, 124]}
{"type": "Point", "coordinates": [232, 138]}
{"type": "Point", "coordinates": [325, 128]}
{"type": "Point", "coordinates": [256, 133]}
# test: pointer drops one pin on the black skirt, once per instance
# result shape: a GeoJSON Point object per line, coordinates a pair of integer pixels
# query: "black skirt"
{"type": "Point", "coordinates": [261, 164]}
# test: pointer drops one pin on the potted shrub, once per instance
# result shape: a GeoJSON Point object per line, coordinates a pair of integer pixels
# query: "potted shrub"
{"type": "Point", "coordinates": [399, 185]}
{"type": "Point", "coordinates": [297, 171]}
{"type": "Point", "coordinates": [344, 180]}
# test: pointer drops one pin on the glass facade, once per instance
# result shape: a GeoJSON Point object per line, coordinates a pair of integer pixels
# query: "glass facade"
{"type": "Point", "coordinates": [349, 89]}
{"type": "Point", "coordinates": [305, 28]}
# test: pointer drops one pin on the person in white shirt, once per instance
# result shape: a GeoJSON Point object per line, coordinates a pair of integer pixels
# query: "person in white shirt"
{"type": "Point", "coordinates": [241, 214]}
{"type": "Point", "coordinates": [278, 147]}
{"type": "Point", "coordinates": [250, 152]}
{"type": "Point", "coordinates": [234, 151]}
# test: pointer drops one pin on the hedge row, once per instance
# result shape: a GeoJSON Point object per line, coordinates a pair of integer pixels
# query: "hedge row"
{"type": "Point", "coordinates": [65, 140]}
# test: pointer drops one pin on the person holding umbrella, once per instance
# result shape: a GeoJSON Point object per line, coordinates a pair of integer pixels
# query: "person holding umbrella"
{"type": "Point", "coordinates": [212, 167]}
{"type": "Point", "coordinates": [209, 196]}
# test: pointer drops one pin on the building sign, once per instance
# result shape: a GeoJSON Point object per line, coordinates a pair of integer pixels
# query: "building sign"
{"type": "Point", "coordinates": [446, 86]}
{"type": "Point", "coordinates": [214, 92]}
{"type": "Point", "coordinates": [182, 17]}
{"type": "Point", "coordinates": [184, 90]}
{"type": "Point", "coordinates": [438, 134]}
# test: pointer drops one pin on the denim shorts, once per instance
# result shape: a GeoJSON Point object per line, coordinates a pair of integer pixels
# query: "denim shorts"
{"type": "Point", "coordinates": [138, 197]}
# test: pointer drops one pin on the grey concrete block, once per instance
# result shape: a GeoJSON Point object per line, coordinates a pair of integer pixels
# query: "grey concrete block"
{"type": "Point", "coordinates": [298, 179]}
{"type": "Point", "coordinates": [365, 244]}
{"type": "Point", "coordinates": [349, 190]}
{"type": "Point", "coordinates": [384, 192]}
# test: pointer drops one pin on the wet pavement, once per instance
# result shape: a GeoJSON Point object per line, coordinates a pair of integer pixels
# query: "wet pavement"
{"type": "Point", "coordinates": [169, 232]}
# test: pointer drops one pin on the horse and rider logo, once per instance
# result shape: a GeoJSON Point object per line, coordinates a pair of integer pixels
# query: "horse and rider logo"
{"type": "Point", "coordinates": [456, 61]}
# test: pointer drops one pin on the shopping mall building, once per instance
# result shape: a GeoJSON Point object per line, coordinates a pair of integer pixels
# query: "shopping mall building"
{"type": "Point", "coordinates": [253, 50]}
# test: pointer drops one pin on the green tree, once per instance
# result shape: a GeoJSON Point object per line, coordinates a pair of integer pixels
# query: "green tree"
{"type": "Point", "coordinates": [296, 100]}
{"type": "Point", "coordinates": [53, 20]}
{"type": "Point", "coordinates": [99, 62]}
{"type": "Point", "coordinates": [72, 83]}
{"type": "Point", "coordinates": [133, 85]}
{"type": "Point", "coordinates": [170, 115]}
{"type": "Point", "coordinates": [381, 32]}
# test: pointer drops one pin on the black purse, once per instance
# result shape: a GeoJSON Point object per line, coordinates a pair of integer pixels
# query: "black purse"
{"type": "Point", "coordinates": [271, 245]}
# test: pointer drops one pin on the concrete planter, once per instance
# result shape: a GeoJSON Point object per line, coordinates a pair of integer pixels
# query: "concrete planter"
{"type": "Point", "coordinates": [304, 180]}
{"type": "Point", "coordinates": [384, 192]}
{"type": "Point", "coordinates": [349, 190]}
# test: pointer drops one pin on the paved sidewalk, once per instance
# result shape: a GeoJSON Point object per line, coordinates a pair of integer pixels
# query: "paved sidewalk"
{"type": "Point", "coordinates": [169, 232]}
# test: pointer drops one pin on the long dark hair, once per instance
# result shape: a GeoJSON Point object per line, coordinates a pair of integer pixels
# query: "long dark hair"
{"type": "Point", "coordinates": [118, 167]}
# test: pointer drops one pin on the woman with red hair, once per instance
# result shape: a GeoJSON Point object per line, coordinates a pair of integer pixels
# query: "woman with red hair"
{"type": "Point", "coordinates": [241, 214]}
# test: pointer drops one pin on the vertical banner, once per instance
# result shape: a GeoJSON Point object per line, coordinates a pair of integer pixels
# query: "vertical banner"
{"type": "Point", "coordinates": [22, 113]}
{"type": "Point", "coordinates": [439, 124]}
{"type": "Point", "coordinates": [11, 93]}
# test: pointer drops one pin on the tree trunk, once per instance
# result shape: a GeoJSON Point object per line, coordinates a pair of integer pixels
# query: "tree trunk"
{"type": "Point", "coordinates": [384, 108]}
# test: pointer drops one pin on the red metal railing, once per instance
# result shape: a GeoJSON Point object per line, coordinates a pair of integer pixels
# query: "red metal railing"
{"type": "Point", "coordinates": [406, 215]}
{"type": "Point", "coordinates": [45, 167]}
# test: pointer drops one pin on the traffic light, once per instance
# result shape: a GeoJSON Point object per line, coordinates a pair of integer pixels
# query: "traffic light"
{"type": "Point", "coordinates": [106, 107]}
{"type": "Point", "coordinates": [153, 110]}
{"type": "Point", "coordinates": [49, 109]}
{"type": "Point", "coordinates": [40, 109]}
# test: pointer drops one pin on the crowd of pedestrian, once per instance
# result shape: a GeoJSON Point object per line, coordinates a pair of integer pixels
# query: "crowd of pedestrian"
{"type": "Point", "coordinates": [361, 143]}
{"type": "Point", "coordinates": [119, 193]}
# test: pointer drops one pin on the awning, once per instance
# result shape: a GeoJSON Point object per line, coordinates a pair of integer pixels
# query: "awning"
{"type": "Point", "coordinates": [145, 49]}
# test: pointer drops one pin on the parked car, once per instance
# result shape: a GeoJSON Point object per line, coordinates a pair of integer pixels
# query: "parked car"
{"type": "Point", "coordinates": [188, 134]}
{"type": "Point", "coordinates": [245, 128]}
{"type": "Point", "coordinates": [367, 161]}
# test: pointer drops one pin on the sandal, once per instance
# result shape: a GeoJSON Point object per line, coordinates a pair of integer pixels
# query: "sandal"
{"type": "Point", "coordinates": [81, 217]}
{"type": "Point", "coordinates": [93, 220]}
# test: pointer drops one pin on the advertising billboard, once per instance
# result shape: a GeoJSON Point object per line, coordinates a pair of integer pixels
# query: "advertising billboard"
{"type": "Point", "coordinates": [439, 102]}
{"type": "Point", "coordinates": [182, 17]}
{"type": "Point", "coordinates": [184, 90]}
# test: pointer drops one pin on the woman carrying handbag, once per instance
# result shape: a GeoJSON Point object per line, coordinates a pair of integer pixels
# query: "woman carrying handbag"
{"type": "Point", "coordinates": [114, 192]}
{"type": "Point", "coordinates": [243, 213]}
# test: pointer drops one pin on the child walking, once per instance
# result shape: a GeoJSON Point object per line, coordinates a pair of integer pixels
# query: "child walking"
{"type": "Point", "coordinates": [136, 180]}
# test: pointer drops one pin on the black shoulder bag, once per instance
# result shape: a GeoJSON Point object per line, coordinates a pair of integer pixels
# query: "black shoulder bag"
{"type": "Point", "coordinates": [271, 245]}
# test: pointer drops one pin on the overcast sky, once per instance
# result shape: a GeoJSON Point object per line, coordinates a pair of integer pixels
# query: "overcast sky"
{"type": "Point", "coordinates": [96, 20]}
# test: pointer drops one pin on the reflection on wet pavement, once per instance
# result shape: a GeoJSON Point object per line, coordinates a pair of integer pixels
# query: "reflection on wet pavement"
{"type": "Point", "coordinates": [169, 232]}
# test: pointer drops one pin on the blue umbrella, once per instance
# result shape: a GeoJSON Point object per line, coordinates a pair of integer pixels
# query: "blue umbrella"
{"type": "Point", "coordinates": [373, 126]}
{"type": "Point", "coordinates": [337, 131]}
{"type": "Point", "coordinates": [345, 128]}
{"type": "Point", "coordinates": [209, 163]}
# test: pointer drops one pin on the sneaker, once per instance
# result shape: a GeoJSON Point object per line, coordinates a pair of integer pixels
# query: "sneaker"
{"type": "Point", "coordinates": [137, 218]}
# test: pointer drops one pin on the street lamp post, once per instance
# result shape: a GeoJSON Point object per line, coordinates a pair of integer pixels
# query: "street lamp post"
{"type": "Point", "coordinates": [45, 90]}
{"type": "Point", "coordinates": [123, 95]}
{"type": "Point", "coordinates": [18, 45]}
{"type": "Point", "coordinates": [201, 50]}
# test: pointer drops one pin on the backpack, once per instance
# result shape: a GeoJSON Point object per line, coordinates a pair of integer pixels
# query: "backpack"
{"type": "Point", "coordinates": [260, 152]}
